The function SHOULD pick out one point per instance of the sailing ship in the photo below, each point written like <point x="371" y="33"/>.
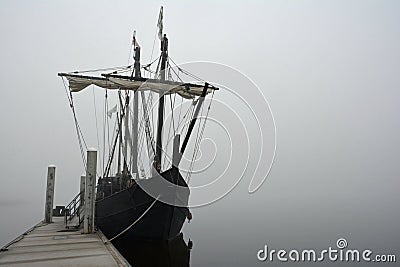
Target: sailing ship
<point x="133" y="202"/>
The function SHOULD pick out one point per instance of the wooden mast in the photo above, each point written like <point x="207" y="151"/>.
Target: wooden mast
<point x="120" y="151"/>
<point x="135" y="114"/>
<point x="164" y="57"/>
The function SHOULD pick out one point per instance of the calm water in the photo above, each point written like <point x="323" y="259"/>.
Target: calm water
<point x="172" y="253"/>
<point x="16" y="219"/>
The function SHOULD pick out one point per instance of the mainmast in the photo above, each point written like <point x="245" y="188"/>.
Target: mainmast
<point x="164" y="57"/>
<point x="135" y="112"/>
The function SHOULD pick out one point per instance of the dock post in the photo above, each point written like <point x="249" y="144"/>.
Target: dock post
<point x="90" y="186"/>
<point x="82" y="191"/>
<point x="48" y="210"/>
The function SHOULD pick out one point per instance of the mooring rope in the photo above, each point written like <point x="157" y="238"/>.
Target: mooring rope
<point x="137" y="220"/>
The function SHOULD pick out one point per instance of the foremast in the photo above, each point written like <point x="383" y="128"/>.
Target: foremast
<point x="164" y="57"/>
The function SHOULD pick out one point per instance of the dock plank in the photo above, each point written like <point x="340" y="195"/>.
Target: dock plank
<point x="45" y="246"/>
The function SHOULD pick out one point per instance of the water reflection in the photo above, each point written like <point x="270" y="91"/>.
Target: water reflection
<point x="139" y="253"/>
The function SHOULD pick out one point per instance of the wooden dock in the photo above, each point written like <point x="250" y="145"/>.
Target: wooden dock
<point x="50" y="244"/>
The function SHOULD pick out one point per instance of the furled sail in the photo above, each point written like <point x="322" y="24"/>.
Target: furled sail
<point x="186" y="90"/>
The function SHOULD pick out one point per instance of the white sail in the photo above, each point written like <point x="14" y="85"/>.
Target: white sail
<point x="186" y="90"/>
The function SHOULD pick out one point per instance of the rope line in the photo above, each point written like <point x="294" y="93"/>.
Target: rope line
<point x="198" y="140"/>
<point x="132" y="224"/>
<point x="77" y="128"/>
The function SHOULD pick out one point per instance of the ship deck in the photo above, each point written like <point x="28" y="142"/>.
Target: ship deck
<point x="53" y="245"/>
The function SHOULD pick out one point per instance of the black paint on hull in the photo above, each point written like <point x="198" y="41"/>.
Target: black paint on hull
<point x="161" y="222"/>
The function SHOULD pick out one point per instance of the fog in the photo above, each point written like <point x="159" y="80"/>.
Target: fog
<point x="328" y="69"/>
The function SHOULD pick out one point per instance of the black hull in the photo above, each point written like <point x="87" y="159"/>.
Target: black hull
<point x="162" y="221"/>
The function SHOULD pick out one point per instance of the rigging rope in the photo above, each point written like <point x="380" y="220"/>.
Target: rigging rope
<point x="195" y="150"/>
<point x="104" y="69"/>
<point x="177" y="74"/>
<point x="171" y="125"/>
<point x="198" y="139"/>
<point x="180" y="112"/>
<point x="147" y="121"/>
<point x="154" y="42"/>
<point x="140" y="136"/>
<point x="77" y="128"/>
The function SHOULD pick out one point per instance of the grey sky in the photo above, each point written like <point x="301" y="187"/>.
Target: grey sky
<point x="329" y="69"/>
